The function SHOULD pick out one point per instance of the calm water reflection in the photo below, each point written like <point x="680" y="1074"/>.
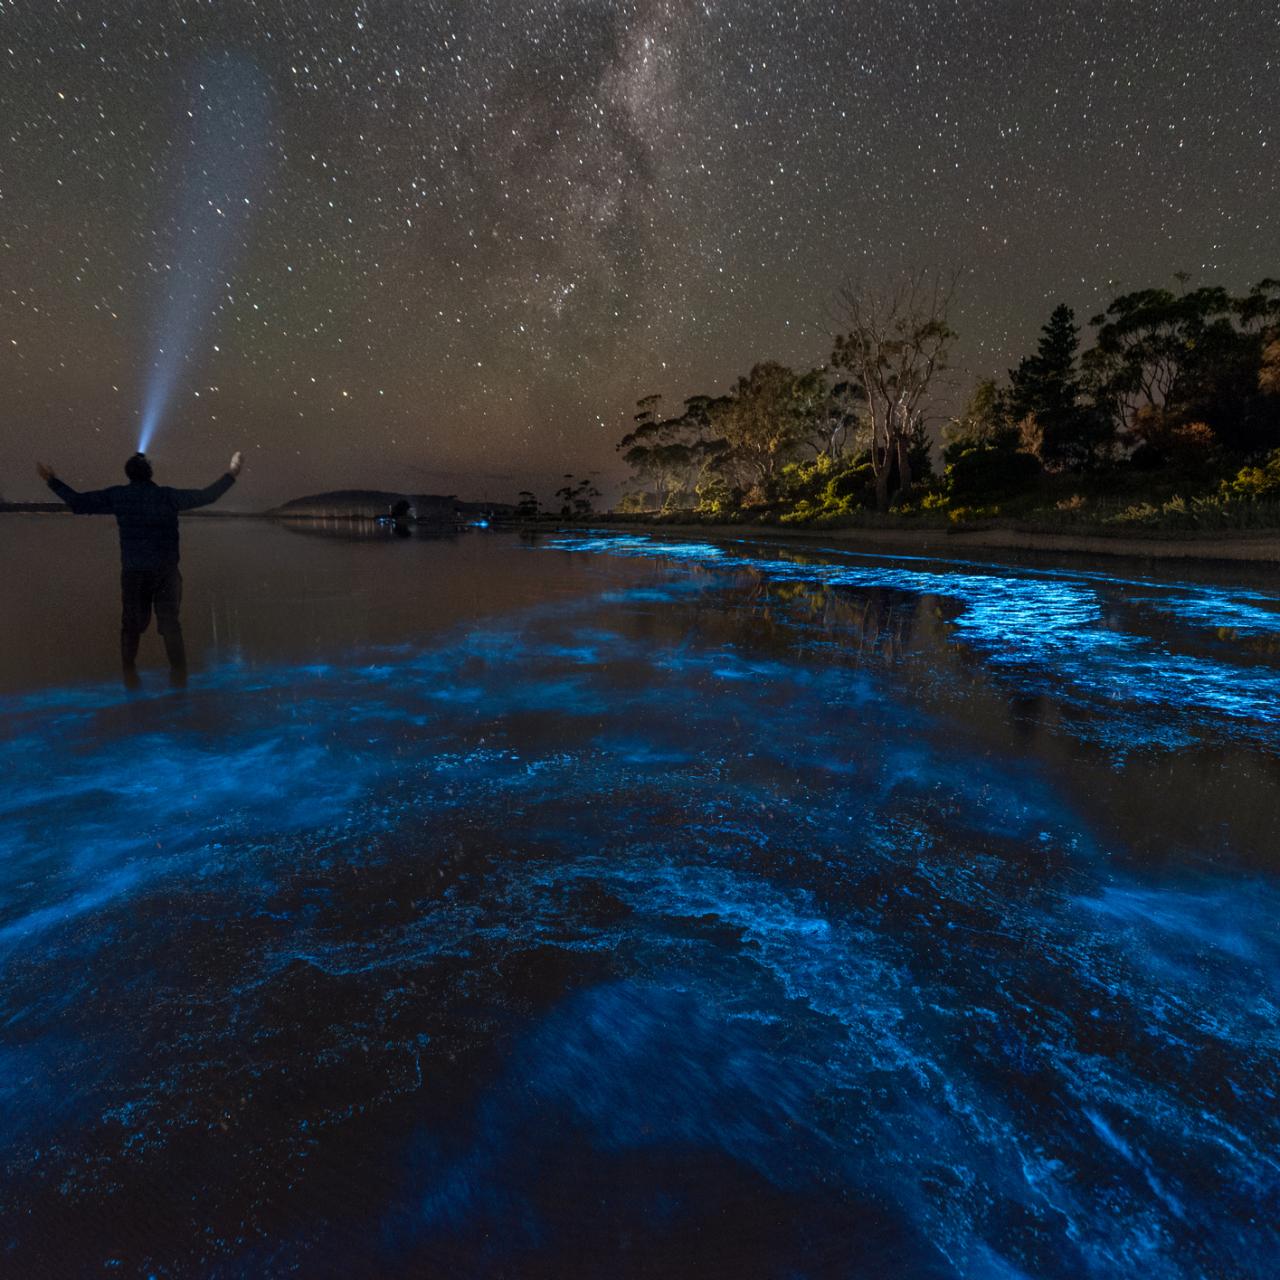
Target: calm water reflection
<point x="596" y="906"/>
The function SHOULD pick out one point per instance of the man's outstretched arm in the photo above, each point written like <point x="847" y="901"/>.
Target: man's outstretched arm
<point x="97" y="502"/>
<point x="188" y="499"/>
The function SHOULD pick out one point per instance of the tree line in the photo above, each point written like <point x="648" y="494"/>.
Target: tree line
<point x="1177" y="389"/>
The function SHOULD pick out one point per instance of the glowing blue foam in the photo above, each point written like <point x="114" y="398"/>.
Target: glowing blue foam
<point x="445" y="928"/>
<point x="1054" y="621"/>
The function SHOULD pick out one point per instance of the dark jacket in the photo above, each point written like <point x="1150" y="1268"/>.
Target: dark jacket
<point x="146" y="514"/>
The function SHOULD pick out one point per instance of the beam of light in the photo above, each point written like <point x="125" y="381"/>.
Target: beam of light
<point x="217" y="182"/>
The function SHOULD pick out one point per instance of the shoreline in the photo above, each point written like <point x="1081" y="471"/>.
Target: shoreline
<point x="1243" y="546"/>
<point x="1236" y="546"/>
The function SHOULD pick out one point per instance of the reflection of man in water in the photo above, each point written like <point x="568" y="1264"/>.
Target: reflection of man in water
<point x="147" y="516"/>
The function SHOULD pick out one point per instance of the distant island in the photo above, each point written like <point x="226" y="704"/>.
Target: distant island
<point x="375" y="504"/>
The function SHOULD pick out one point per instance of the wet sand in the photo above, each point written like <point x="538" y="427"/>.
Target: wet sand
<point x="1262" y="547"/>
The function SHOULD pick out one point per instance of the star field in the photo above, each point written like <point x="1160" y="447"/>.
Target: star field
<point x="477" y="232"/>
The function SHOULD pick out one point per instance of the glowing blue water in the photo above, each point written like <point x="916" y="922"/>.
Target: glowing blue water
<point x="758" y="915"/>
<point x="1063" y="624"/>
<point x="220" y="176"/>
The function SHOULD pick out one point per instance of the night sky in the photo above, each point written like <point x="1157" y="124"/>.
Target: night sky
<point x="477" y="232"/>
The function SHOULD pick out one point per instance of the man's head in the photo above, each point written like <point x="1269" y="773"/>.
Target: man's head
<point x="138" y="468"/>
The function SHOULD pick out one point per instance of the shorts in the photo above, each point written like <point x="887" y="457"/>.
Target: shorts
<point x="141" y="591"/>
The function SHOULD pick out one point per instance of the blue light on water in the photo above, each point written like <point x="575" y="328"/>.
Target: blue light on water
<point x="609" y="900"/>
<point x="1052" y="621"/>
<point x="217" y="178"/>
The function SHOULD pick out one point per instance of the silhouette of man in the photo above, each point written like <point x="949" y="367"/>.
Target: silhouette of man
<point x="147" y="516"/>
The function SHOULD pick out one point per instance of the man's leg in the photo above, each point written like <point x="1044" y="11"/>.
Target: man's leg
<point x="168" y="598"/>
<point x="135" y="615"/>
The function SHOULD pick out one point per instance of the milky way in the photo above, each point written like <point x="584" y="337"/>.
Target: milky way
<point x="487" y="228"/>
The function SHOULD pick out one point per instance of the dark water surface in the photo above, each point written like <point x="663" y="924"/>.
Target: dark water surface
<point x="598" y="906"/>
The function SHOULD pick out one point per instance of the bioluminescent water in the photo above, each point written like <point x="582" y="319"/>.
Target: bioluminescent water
<point x="608" y="906"/>
<point x="218" y="173"/>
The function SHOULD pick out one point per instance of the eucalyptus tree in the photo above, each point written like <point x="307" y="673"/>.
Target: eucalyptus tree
<point x="770" y="416"/>
<point x="1162" y="360"/>
<point x="1152" y="346"/>
<point x="671" y="454"/>
<point x="893" y="343"/>
<point x="837" y="421"/>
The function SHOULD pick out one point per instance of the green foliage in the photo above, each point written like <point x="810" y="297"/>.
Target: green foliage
<point x="637" y="502"/>
<point x="990" y="471"/>
<point x="1256" y="482"/>
<point x="669" y="455"/>
<point x="766" y="421"/>
<point x="828" y="487"/>
<point x="1206" y="511"/>
<point x="967" y="515"/>
<point x="718" y="498"/>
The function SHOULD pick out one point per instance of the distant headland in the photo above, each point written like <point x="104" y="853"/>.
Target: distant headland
<point x="376" y="504"/>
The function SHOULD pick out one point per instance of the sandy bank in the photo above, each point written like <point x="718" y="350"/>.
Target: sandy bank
<point x="1246" y="545"/>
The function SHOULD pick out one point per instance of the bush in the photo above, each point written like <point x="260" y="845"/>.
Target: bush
<point x="827" y="488"/>
<point x="855" y="483"/>
<point x="966" y="515"/>
<point x="986" y="471"/>
<point x="1256" y="482"/>
<point x="717" y="498"/>
<point x="1136" y="513"/>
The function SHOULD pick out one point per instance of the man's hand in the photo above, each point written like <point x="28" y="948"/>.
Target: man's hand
<point x="237" y="461"/>
<point x="46" y="471"/>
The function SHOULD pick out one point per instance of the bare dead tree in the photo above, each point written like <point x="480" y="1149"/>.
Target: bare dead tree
<point x="893" y="343"/>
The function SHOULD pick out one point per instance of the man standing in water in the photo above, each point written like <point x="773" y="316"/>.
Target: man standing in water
<point x="147" y="516"/>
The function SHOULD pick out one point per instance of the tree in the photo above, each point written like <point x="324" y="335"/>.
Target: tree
<point x="837" y="419"/>
<point x="986" y="455"/>
<point x="984" y="420"/>
<point x="1152" y="346"/>
<point x="1269" y="370"/>
<point x="576" y="498"/>
<point x="770" y="415"/>
<point x="894" y="344"/>
<point x="1259" y="311"/>
<point x="1198" y="356"/>
<point x="1045" y="392"/>
<point x="527" y="505"/>
<point x="671" y="454"/>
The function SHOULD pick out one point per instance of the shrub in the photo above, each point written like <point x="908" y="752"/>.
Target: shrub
<point x="855" y="483"/>
<point x="717" y="498"/>
<point x="1135" y="513"/>
<point x="990" y="472"/>
<point x="965" y="515"/>
<point x="1256" y="482"/>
